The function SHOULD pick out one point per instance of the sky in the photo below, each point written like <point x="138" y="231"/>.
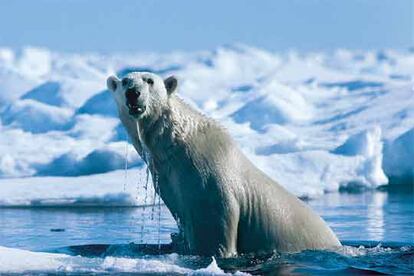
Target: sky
<point x="188" y="25"/>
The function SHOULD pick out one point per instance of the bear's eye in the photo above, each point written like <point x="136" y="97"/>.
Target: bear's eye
<point x="126" y="82"/>
<point x="149" y="81"/>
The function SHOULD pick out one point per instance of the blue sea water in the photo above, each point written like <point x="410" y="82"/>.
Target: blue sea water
<point x="377" y="229"/>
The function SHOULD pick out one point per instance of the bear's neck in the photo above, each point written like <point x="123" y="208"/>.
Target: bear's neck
<point x="156" y="136"/>
<point x="176" y="123"/>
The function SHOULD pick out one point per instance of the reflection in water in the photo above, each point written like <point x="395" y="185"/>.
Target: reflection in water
<point x="378" y="216"/>
<point x="375" y="216"/>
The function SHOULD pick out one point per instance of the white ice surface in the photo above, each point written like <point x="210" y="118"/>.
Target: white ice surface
<point x="93" y="190"/>
<point x="22" y="261"/>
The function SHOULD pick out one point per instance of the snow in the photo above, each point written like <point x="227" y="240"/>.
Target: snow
<point x="92" y="190"/>
<point x="102" y="103"/>
<point x="47" y="93"/>
<point x="278" y="104"/>
<point x="398" y="158"/>
<point x="36" y="117"/>
<point x="315" y="122"/>
<point x="22" y="261"/>
<point x="368" y="144"/>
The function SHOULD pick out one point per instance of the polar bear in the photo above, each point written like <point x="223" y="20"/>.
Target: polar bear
<point x="223" y="204"/>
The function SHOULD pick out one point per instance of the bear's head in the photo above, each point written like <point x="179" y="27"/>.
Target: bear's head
<point x="141" y="94"/>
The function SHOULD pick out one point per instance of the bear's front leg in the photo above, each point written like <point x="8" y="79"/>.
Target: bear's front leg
<point x="214" y="233"/>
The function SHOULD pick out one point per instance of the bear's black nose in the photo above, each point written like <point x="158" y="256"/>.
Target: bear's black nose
<point x="132" y="96"/>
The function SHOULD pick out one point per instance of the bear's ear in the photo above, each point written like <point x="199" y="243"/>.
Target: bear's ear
<point x="171" y="84"/>
<point x="112" y="83"/>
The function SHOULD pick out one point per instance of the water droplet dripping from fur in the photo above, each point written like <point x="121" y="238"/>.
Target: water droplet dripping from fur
<point x="126" y="162"/>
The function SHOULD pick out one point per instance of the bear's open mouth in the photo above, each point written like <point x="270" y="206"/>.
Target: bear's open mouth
<point x="132" y="96"/>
